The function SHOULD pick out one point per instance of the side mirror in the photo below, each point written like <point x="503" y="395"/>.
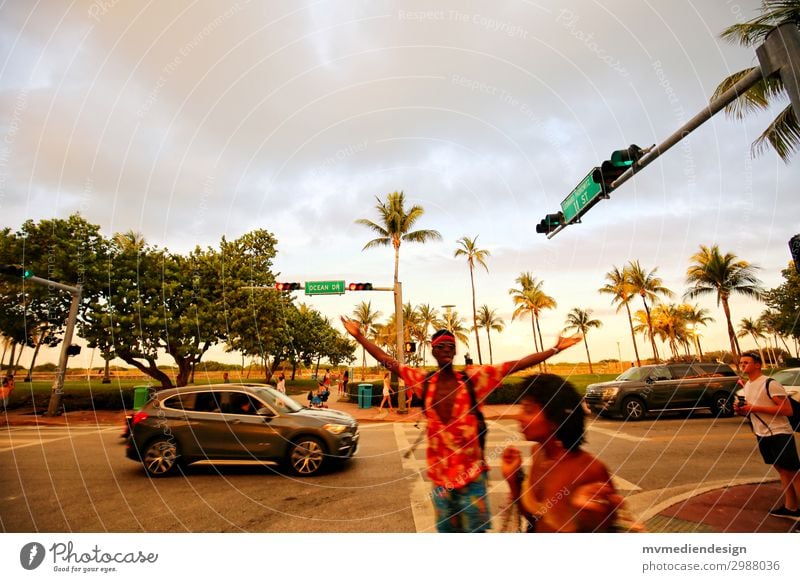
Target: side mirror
<point x="649" y="380"/>
<point x="265" y="412"/>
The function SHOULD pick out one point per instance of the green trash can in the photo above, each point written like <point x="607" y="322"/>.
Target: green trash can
<point x="141" y="394"/>
<point x="364" y="395"/>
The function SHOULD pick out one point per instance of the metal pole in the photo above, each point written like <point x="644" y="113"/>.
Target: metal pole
<point x="54" y="406"/>
<point x="398" y="318"/>
<point x="780" y="55"/>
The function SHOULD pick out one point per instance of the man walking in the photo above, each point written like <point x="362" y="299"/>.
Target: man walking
<point x="454" y="455"/>
<point x="767" y="406"/>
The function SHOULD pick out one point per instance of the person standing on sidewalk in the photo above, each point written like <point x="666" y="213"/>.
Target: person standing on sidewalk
<point x="387" y="392"/>
<point x="767" y="412"/>
<point x="454" y="455"/>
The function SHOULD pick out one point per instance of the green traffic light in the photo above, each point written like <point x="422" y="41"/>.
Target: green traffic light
<point x="625" y="158"/>
<point x="16" y="271"/>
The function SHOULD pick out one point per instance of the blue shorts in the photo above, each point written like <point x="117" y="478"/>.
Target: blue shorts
<point x="462" y="510"/>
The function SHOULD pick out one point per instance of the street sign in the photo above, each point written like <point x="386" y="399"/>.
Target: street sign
<point x="582" y="198"/>
<point x="324" y="287"/>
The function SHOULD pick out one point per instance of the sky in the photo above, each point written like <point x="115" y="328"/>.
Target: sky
<point x="190" y="121"/>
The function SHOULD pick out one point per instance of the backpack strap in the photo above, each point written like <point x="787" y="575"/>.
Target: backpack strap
<point x="756" y="415"/>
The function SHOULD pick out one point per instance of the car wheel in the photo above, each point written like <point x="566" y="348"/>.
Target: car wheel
<point x="722" y="405"/>
<point x="633" y="408"/>
<point x="306" y="456"/>
<point x="161" y="457"/>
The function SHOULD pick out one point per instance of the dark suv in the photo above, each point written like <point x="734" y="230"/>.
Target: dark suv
<point x="638" y="391"/>
<point x="240" y="422"/>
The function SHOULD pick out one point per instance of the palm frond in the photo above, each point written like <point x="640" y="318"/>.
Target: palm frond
<point x="756" y="98"/>
<point x="783" y="135"/>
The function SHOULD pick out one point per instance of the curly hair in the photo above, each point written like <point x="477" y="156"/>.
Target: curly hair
<point x="561" y="405"/>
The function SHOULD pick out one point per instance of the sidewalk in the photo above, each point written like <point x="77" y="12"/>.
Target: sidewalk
<point x="720" y="508"/>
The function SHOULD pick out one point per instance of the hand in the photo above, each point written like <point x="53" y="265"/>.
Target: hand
<point x="352" y="327"/>
<point x="596" y="498"/>
<point x="510" y="462"/>
<point x="742" y="409"/>
<point x="567" y="342"/>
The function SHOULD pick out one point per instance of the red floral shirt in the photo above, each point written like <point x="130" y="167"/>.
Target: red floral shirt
<point x="454" y="453"/>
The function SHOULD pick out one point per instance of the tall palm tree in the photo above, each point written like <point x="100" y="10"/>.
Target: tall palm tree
<point x="783" y="134"/>
<point x="367" y="318"/>
<point x="753" y="328"/>
<point x="530" y="298"/>
<point x="648" y="286"/>
<point x="669" y="323"/>
<point x="428" y="316"/>
<point x="713" y="272"/>
<point x="469" y="249"/>
<point x="488" y="319"/>
<point x="696" y="316"/>
<point x="581" y="320"/>
<point x="620" y="289"/>
<point x="395" y="226"/>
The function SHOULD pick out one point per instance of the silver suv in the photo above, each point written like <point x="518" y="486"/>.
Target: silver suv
<point x="661" y="387"/>
<point x="241" y="422"/>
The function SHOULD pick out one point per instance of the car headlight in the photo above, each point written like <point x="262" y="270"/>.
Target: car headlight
<point x="609" y="393"/>
<point x="335" y="428"/>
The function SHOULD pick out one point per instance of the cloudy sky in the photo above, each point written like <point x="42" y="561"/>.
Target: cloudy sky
<point x="187" y="121"/>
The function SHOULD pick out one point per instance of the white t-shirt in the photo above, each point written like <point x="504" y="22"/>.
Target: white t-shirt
<point x="755" y="393"/>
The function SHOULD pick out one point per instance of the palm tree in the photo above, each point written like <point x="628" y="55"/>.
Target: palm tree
<point x="581" y="320"/>
<point x="696" y="316"/>
<point x="488" y="319"/>
<point x="474" y="255"/>
<point x="669" y="323"/>
<point x="364" y="315"/>
<point x="783" y="134"/>
<point x="395" y="226"/>
<point x="454" y="323"/>
<point x="753" y="328"/>
<point x="712" y="272"/>
<point x="647" y="285"/>
<point x="620" y="289"/>
<point x="428" y="316"/>
<point x="531" y="299"/>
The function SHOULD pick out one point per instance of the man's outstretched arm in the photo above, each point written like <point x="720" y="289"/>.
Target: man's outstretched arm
<point x="531" y="360"/>
<point x="384" y="359"/>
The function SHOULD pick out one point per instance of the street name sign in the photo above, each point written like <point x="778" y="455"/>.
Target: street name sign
<point x="585" y="195"/>
<point x="324" y="287"/>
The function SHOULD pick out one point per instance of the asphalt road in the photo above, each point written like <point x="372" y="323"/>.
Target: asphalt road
<point x="78" y="479"/>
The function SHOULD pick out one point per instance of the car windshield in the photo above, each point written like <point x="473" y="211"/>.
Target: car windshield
<point x="787" y="377"/>
<point x="633" y="374"/>
<point x="278" y="400"/>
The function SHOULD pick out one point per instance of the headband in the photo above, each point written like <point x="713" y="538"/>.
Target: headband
<point x="445" y="338"/>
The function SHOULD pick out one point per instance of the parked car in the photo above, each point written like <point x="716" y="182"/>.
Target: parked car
<point x="789" y="379"/>
<point x="644" y="389"/>
<point x="244" y="422"/>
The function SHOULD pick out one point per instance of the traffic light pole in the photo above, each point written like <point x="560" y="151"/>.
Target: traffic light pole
<point x="778" y="55"/>
<point x="401" y="356"/>
<point x="54" y="405"/>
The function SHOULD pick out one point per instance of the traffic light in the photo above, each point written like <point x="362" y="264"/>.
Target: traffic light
<point x="359" y="287"/>
<point x="410" y="347"/>
<point x="794" y="248"/>
<point x="619" y="163"/>
<point x="550" y="223"/>
<point x="16" y="271"/>
<point x="287" y="286"/>
<point x="73" y="350"/>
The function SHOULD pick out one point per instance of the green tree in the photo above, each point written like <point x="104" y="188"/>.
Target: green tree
<point x="648" y="286"/>
<point x="581" y="320"/>
<point x="428" y="316"/>
<point x="469" y="249"/>
<point x="454" y="323"/>
<point x="783" y="134"/>
<point x="621" y="291"/>
<point x="711" y="272"/>
<point x="367" y="318"/>
<point x="784" y="303"/>
<point x="696" y="316"/>
<point x="489" y="320"/>
<point x="531" y="299"/>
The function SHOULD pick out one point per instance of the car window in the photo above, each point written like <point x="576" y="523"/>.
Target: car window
<point x="660" y="373"/>
<point x="241" y="403"/>
<point x="634" y="374"/>
<point x="277" y="400"/>
<point x="683" y="371"/>
<point x="716" y="369"/>
<point x="180" y="401"/>
<point x="208" y="401"/>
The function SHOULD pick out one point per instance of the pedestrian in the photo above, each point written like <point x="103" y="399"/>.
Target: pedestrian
<point x="767" y="406"/>
<point x="281" y="383"/>
<point x="225" y="378"/>
<point x="566" y="489"/>
<point x="345" y="381"/>
<point x="455" y="456"/>
<point x="387" y="391"/>
<point x="6" y="389"/>
<point x="326" y="379"/>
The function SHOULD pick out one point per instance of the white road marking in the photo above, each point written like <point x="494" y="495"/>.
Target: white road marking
<point x="38" y="436"/>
